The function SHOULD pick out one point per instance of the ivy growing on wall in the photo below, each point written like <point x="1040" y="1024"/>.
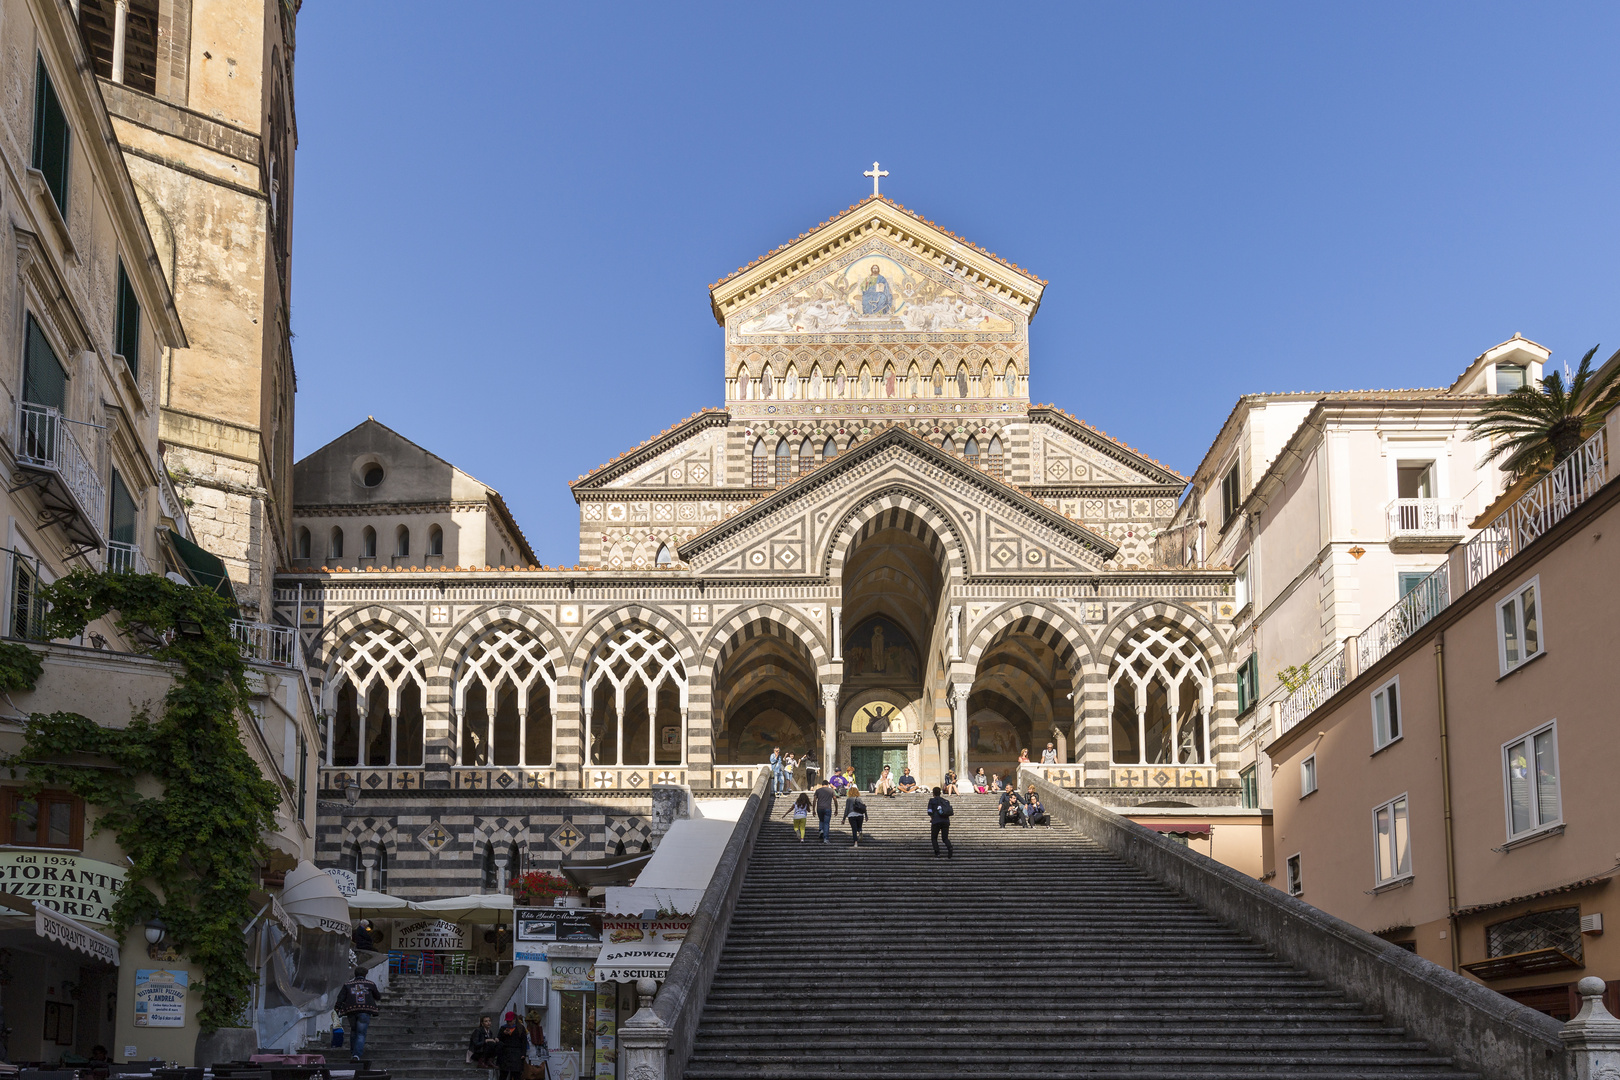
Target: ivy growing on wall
<point x="180" y="792"/>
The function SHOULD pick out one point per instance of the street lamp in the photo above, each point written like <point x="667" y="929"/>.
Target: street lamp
<point x="351" y="791"/>
<point x="155" y="930"/>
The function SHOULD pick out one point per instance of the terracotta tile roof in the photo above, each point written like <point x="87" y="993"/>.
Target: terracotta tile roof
<point x="855" y="207"/>
<point x="709" y="411"/>
<point x="1103" y="434"/>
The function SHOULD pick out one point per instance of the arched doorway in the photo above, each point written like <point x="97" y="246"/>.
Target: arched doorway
<point x="765" y="695"/>
<point x="1022" y="698"/>
<point x="893" y="623"/>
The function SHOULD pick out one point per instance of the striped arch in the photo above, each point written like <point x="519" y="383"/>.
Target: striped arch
<point x="368" y="652"/>
<point x="1043" y="623"/>
<point x="337" y="631"/>
<point x="617" y="618"/>
<point x="899" y="507"/>
<point x="1184" y="618"/>
<point x="479" y="623"/>
<point x="752" y="622"/>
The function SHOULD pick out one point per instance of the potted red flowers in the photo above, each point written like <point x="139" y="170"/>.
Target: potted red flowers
<point x="539" y="888"/>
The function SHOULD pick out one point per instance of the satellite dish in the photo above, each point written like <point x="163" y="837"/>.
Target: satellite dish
<point x="176" y="578"/>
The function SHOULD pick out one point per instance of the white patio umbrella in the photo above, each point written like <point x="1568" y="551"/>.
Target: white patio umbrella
<point x="368" y="904"/>
<point x="312" y="898"/>
<point x="476" y="908"/>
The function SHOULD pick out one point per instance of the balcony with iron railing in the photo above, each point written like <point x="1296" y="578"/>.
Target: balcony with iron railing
<point x="1417" y="524"/>
<point x="1552" y="499"/>
<point x="67" y="478"/>
<point x="124" y="558"/>
<point x="266" y="643"/>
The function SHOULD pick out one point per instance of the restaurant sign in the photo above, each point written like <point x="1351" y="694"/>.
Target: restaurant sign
<point x="80" y="888"/>
<point x="431" y="934"/>
<point x="52" y="926"/>
<point x="558" y="924"/>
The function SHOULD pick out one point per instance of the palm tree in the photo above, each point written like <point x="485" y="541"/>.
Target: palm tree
<point x="1539" y="428"/>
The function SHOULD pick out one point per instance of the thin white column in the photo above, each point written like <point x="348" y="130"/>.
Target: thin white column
<point x="956" y="631"/>
<point x="459" y="709"/>
<point x="683" y="757"/>
<point x="829" y="702"/>
<point x="393" y="736"/>
<point x="120" y="22"/>
<point x="523" y="729"/>
<point x="838" y="633"/>
<point x="959" y="702"/>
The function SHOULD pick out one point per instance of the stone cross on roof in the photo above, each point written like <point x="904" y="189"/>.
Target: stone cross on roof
<point x="874" y="172"/>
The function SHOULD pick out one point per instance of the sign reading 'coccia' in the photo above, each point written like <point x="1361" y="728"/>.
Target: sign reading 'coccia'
<point x="79" y="888"/>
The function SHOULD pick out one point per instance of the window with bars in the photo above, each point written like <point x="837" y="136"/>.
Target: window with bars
<point x="1558" y="929"/>
<point x="807" y="457"/>
<point x="127" y="332"/>
<point x="52" y="137"/>
<point x="970" y="452"/>
<point x="993" y="459"/>
<point x="762" y="466"/>
<point x="784" y="463"/>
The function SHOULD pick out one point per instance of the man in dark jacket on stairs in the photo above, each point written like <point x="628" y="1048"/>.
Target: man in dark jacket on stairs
<point x="826" y="801"/>
<point x="939" y="824"/>
<point x="357" y="1004"/>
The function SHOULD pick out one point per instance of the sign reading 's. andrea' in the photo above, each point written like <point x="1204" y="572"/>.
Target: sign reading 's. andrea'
<point x="79" y="888"/>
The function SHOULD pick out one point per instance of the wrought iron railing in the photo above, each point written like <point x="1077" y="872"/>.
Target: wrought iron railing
<point x="1427" y="599"/>
<point x="122" y="557"/>
<point x="1322" y="684"/>
<point x="1552" y="499"/>
<point x="266" y="643"/>
<point x="45" y="441"/>
<point x="1425" y="517"/>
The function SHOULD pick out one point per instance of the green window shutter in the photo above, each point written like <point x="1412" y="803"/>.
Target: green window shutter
<point x="51" y="136"/>
<point x="44" y="378"/>
<point x="128" y="330"/>
<point x="121" y="512"/>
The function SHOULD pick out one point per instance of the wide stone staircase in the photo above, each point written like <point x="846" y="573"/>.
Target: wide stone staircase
<point x="421" y="1031"/>
<point x="1032" y="953"/>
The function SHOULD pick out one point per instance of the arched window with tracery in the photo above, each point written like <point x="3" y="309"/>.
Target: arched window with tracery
<point x="376" y="687"/>
<point x="505" y="699"/>
<point x="807" y="457"/>
<point x="1160" y="696"/>
<point x="762" y="465"/>
<point x="664" y="557"/>
<point x="993" y="459"/>
<point x="970" y="452"/>
<point x="635" y="689"/>
<point x="829" y="450"/>
<point x="784" y="463"/>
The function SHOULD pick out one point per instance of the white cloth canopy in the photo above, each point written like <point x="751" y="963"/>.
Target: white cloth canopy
<point x="477" y="907"/>
<point x="312" y="898"/>
<point x="367" y="903"/>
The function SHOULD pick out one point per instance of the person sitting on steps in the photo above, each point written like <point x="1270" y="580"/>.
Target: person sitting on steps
<point x="950" y="783"/>
<point x="981" y="783"/>
<point x="908" y="783"/>
<point x="1011" y="806"/>
<point x="1034" y="812"/>
<point x="885" y="784"/>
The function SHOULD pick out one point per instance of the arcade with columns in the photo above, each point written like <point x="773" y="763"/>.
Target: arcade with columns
<point x="879" y="551"/>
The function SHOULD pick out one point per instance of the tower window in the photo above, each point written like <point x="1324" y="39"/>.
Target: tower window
<point x="368" y="543"/>
<point x="783" y="462"/>
<point x="435" y="540"/>
<point x="303" y="544"/>
<point x="761" y="475"/>
<point x="402" y="542"/>
<point x="807" y="457"/>
<point x="829" y="450"/>
<point x="336" y="551"/>
<point x="970" y="452"/>
<point x="994" y="459"/>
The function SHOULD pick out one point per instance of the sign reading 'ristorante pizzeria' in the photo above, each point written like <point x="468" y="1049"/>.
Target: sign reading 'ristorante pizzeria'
<point x="80" y="888"/>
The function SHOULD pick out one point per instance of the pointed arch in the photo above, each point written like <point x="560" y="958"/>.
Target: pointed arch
<point x="903" y="508"/>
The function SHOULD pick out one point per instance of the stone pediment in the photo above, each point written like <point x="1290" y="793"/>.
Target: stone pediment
<point x="926" y="282"/>
<point x="690" y="454"/>
<point x="1065" y="452"/>
<point x="997" y="529"/>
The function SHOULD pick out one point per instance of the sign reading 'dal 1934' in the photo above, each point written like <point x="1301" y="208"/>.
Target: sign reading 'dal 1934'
<point x="431" y="934"/>
<point x="79" y="888"/>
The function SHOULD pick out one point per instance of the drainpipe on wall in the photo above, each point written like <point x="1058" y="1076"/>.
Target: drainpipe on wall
<point x="1445" y="796"/>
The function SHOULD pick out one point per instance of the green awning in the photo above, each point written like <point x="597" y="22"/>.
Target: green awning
<point x="203" y="567"/>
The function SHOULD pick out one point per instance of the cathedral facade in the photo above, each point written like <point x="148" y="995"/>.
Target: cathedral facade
<point x="878" y="551"/>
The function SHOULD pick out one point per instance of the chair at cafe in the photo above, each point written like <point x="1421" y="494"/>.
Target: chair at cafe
<point x="396" y="962"/>
<point x="432" y="963"/>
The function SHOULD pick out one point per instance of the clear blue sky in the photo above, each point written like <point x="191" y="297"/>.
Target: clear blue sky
<point x="507" y="215"/>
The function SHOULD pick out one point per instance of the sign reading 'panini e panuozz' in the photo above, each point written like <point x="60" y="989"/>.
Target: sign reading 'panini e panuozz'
<point x="79" y="888"/>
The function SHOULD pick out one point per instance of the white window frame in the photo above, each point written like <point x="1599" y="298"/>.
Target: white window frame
<point x="1515" y="600"/>
<point x="1307" y="776"/>
<point x="1557" y="820"/>
<point x="1406" y="809"/>
<point x="1294" y="875"/>
<point x="1398" y="730"/>
<point x="1241" y="585"/>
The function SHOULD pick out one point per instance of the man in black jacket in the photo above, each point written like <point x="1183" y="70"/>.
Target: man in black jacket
<point x="1011" y="806"/>
<point x="939" y="824"/>
<point x="358" y="999"/>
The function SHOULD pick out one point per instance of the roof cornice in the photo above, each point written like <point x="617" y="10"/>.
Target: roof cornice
<point x="876" y="215"/>
<point x="638" y="455"/>
<point x="1107" y="444"/>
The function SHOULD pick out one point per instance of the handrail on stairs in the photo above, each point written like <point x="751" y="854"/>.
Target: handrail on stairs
<point x="657" y="1041"/>
<point x="500" y="1002"/>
